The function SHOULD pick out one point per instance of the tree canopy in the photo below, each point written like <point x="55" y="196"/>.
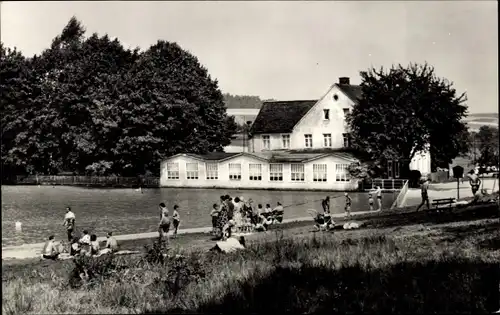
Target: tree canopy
<point x="88" y="105"/>
<point x="404" y="110"/>
<point x="487" y="145"/>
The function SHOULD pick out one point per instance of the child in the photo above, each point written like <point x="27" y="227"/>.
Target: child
<point x="370" y="201"/>
<point x="164" y="225"/>
<point x="215" y="215"/>
<point x="176" y="219"/>
<point x="348" y="205"/>
<point x="94" y="245"/>
<point x="268" y="208"/>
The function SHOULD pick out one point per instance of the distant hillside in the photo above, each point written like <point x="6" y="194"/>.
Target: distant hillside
<point x="243" y="101"/>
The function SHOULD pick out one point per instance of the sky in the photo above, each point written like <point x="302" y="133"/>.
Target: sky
<point x="288" y="50"/>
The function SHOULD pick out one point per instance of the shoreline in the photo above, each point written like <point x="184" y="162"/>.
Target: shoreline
<point x="33" y="250"/>
<point x="118" y="186"/>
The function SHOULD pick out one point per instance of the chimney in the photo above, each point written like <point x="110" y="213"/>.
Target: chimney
<point x="344" y="80"/>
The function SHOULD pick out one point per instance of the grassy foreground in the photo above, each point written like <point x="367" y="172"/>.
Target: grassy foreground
<point x="410" y="263"/>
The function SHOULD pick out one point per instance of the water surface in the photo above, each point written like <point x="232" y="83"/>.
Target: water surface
<point x="41" y="209"/>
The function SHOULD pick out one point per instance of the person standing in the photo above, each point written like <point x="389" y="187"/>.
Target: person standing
<point x="325" y="203"/>
<point x="348" y="202"/>
<point x="370" y="201"/>
<point x="176" y="219"/>
<point x="474" y="182"/>
<point x="164" y="225"/>
<point x="69" y="223"/>
<point x="424" y="187"/>
<point x="378" y="193"/>
<point x="215" y="215"/>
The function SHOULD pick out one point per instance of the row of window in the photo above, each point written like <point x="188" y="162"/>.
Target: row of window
<point x="308" y="141"/>
<point x="297" y="173"/>
<point x="326" y="113"/>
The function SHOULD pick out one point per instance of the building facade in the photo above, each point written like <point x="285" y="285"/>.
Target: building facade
<point x="317" y="124"/>
<point x="285" y="170"/>
<point x="292" y="145"/>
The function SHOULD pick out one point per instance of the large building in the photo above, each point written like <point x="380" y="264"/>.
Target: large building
<point x="292" y="145"/>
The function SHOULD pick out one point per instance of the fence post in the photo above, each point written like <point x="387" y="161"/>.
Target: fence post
<point x="392" y="184"/>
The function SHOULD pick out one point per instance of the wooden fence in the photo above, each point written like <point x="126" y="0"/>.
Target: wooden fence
<point x="99" y="181"/>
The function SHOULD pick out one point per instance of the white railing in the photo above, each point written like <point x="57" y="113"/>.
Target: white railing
<point x="385" y="184"/>
<point x="401" y="196"/>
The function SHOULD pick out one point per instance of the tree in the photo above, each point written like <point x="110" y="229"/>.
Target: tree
<point x="487" y="139"/>
<point x="405" y="109"/>
<point x="16" y="90"/>
<point x="170" y="105"/>
<point x="98" y="108"/>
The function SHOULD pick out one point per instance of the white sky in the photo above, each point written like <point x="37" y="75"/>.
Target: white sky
<point x="288" y="50"/>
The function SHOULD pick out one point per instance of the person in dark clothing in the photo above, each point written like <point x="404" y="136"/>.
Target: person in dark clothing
<point x="325" y="203"/>
<point x="425" y="195"/>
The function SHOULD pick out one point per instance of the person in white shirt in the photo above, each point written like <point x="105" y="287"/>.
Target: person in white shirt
<point x="378" y="192"/>
<point x="85" y="242"/>
<point x="50" y="250"/>
<point x="69" y="223"/>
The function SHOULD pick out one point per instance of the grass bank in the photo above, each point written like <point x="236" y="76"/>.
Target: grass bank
<point x="415" y="262"/>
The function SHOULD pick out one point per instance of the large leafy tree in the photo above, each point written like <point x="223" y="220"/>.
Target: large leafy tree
<point x="172" y="105"/>
<point x="403" y="110"/>
<point x="487" y="141"/>
<point x="16" y="92"/>
<point x="96" y="107"/>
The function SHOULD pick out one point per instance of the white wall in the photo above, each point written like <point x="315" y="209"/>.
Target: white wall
<point x="224" y="182"/>
<point x="421" y="162"/>
<point x="313" y="122"/>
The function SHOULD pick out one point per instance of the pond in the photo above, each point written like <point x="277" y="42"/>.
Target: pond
<point x="41" y="209"/>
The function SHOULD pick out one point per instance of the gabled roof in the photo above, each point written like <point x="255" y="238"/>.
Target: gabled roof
<point x="280" y="117"/>
<point x="354" y="92"/>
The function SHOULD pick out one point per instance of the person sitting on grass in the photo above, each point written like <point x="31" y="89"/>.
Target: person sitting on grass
<point x="278" y="212"/>
<point x="50" y="250"/>
<point x="268" y="209"/>
<point x="75" y="247"/>
<point x="111" y="242"/>
<point x="94" y="245"/>
<point x="85" y="242"/>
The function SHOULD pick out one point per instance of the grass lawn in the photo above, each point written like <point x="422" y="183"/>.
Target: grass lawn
<point x="404" y="263"/>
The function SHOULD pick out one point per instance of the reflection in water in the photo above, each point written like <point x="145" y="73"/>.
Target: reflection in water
<point x="41" y="209"/>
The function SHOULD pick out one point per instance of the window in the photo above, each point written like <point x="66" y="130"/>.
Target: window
<point x="326" y="113"/>
<point x="297" y="172"/>
<point x="396" y="169"/>
<point x="192" y="170"/>
<point x="319" y="172"/>
<point x="389" y="169"/>
<point x="212" y="170"/>
<point x="172" y="170"/>
<point x="346" y="111"/>
<point x="266" y="142"/>
<point x="285" y="139"/>
<point x="309" y="141"/>
<point x="342" y="173"/>
<point x="255" y="171"/>
<point x="276" y="172"/>
<point x="346" y="139"/>
<point x="235" y="171"/>
<point x="327" y="140"/>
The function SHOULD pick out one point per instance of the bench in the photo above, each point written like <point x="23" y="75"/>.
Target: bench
<point x="442" y="202"/>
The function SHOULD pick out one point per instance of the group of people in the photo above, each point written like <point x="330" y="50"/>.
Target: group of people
<point x="166" y="221"/>
<point x="87" y="244"/>
<point x="238" y="215"/>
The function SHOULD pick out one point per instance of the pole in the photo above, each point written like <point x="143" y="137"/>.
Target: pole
<point x="458" y="188"/>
